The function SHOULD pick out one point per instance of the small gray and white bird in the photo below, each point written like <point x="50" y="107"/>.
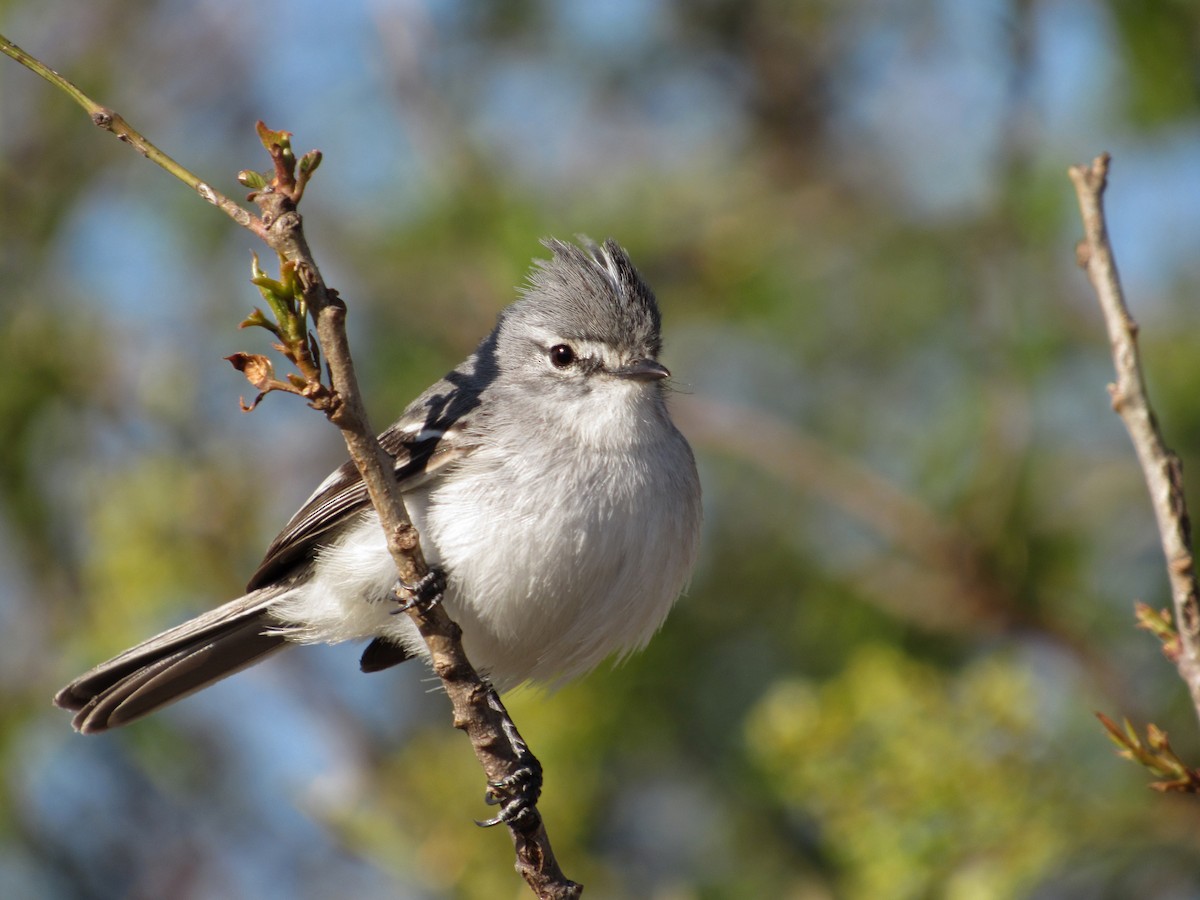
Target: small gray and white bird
<point x="548" y="484"/>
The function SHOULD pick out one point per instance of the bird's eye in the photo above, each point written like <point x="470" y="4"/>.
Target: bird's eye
<point x="561" y="355"/>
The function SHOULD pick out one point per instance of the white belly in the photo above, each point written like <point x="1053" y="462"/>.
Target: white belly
<point x="545" y="586"/>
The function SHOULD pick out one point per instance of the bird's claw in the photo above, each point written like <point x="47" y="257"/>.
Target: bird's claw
<point x="424" y="595"/>
<point x="516" y="794"/>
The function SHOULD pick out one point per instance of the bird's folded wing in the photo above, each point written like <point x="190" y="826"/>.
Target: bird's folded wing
<point x="417" y="457"/>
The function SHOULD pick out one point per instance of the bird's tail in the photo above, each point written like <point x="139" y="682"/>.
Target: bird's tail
<point x="177" y="662"/>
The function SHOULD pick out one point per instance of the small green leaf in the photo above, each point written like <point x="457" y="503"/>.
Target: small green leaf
<point x="256" y="271"/>
<point x="1157" y="738"/>
<point x="1156" y="754"/>
<point x="269" y="138"/>
<point x="309" y="162"/>
<point x="254" y="180"/>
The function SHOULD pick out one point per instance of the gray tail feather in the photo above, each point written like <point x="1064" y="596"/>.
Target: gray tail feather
<point x="175" y="663"/>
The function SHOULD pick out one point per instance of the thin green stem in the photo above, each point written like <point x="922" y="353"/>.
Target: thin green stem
<point x="111" y="121"/>
<point x="36" y="65"/>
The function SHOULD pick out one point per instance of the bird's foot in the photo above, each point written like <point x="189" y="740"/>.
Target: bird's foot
<point x="516" y="793"/>
<point x="424" y="595"/>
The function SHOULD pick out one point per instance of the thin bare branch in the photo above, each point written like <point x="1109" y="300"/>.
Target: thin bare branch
<point x="1130" y="400"/>
<point x="103" y="117"/>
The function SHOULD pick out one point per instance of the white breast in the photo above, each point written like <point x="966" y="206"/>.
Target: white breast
<point x="552" y="566"/>
<point x="571" y="569"/>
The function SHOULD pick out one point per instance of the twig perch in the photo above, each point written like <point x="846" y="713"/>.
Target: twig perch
<point x="477" y="709"/>
<point x="1161" y="467"/>
<point x="103" y="117"/>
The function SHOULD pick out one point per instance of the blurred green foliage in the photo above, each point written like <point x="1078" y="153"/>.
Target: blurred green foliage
<point x="925" y="528"/>
<point x="989" y="806"/>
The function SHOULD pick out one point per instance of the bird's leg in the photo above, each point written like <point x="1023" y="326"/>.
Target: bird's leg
<point x="425" y="594"/>
<point x="516" y="794"/>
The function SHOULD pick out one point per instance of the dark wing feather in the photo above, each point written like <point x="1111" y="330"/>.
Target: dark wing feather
<point x="432" y="433"/>
<point x="343" y="496"/>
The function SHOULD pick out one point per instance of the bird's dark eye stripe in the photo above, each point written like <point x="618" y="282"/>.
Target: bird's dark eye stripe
<point x="561" y="355"/>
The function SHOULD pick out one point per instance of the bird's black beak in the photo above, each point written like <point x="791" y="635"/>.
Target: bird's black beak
<point x="643" y="370"/>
